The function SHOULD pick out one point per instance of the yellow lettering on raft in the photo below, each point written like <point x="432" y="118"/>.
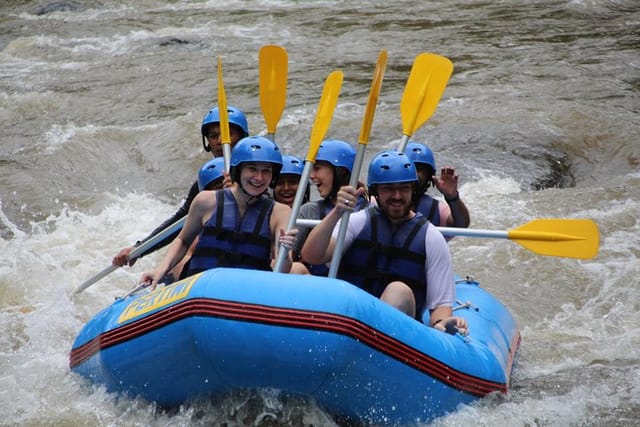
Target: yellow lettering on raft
<point x="158" y="298"/>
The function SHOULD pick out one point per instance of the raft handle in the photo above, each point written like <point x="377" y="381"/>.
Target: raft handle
<point x="467" y="304"/>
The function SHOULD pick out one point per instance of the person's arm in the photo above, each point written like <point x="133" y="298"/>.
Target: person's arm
<point x="318" y="249"/>
<point x="182" y="266"/>
<point x="122" y="257"/>
<point x="439" y="272"/>
<point x="202" y="205"/>
<point x="447" y="184"/>
<point x="459" y="213"/>
<point x="441" y="292"/>
<point x="180" y="213"/>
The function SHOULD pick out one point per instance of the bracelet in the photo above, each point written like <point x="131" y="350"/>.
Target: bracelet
<point x="453" y="199"/>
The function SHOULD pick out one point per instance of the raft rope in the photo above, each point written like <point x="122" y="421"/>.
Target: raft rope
<point x="467" y="304"/>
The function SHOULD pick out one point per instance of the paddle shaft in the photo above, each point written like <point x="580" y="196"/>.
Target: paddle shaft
<point x="344" y="220"/>
<point x="176" y="226"/>
<point x="363" y="139"/>
<point x="471" y="232"/>
<point x="328" y="102"/>
<point x="578" y="238"/>
<point x="226" y="153"/>
<point x="403" y="142"/>
<point x="295" y="208"/>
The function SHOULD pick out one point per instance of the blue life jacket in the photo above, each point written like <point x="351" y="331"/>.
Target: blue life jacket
<point x="230" y="241"/>
<point x="324" y="207"/>
<point x="428" y="206"/>
<point x="381" y="254"/>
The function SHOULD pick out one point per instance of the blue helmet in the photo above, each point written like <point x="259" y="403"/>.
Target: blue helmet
<point x="391" y="167"/>
<point x="255" y="149"/>
<point x="341" y="155"/>
<point x="291" y="165"/>
<point x="210" y="171"/>
<point x="236" y="117"/>
<point x="337" y="153"/>
<point x="420" y="154"/>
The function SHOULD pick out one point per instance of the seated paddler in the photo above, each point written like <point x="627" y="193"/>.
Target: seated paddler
<point x="240" y="226"/>
<point x="331" y="170"/>
<point x="389" y="250"/>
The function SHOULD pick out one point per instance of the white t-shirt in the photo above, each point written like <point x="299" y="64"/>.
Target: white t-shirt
<point x="438" y="266"/>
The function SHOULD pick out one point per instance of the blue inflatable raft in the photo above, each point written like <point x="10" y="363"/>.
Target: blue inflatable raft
<point x="230" y="329"/>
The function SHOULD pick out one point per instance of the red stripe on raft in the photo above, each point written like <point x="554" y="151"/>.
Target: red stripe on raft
<point x="298" y="319"/>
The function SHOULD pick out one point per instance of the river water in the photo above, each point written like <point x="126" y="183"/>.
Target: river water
<point x="101" y="103"/>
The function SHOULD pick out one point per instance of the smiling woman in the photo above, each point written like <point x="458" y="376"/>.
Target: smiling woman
<point x="255" y="178"/>
<point x="255" y="150"/>
<point x="237" y="226"/>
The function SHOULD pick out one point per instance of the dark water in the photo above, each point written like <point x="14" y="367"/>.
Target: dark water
<point x="100" y="110"/>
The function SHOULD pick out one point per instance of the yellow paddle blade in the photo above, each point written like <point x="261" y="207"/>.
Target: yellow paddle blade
<point x="225" y="136"/>
<point x="327" y="104"/>
<point x="570" y="238"/>
<point x="427" y="80"/>
<point x="273" y="84"/>
<point x="222" y="106"/>
<point x="370" y="110"/>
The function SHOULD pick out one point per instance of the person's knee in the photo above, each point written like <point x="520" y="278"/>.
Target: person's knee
<point x="400" y="296"/>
